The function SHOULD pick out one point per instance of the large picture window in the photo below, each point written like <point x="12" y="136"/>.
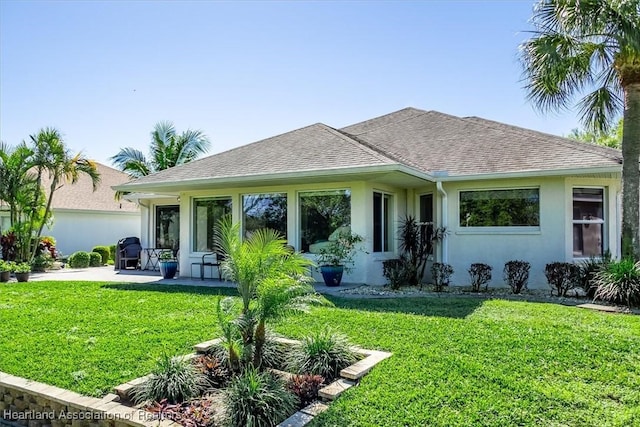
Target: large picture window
<point x="382" y="222"/>
<point x="323" y="214"/>
<point x="206" y="214"/>
<point x="264" y="211"/>
<point x="168" y="227"/>
<point x="500" y="208"/>
<point x="588" y="222"/>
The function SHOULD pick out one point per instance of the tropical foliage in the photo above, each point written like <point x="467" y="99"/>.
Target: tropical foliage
<point x="272" y="282"/>
<point x="591" y="50"/>
<point x="167" y="149"/>
<point x="23" y="169"/>
<point x="611" y="138"/>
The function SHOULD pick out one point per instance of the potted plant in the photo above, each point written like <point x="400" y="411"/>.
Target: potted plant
<point x="6" y="267"/>
<point x="22" y="270"/>
<point x="168" y="264"/>
<point x="336" y="257"/>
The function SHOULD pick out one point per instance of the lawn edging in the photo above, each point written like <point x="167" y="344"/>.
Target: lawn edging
<point x="26" y="402"/>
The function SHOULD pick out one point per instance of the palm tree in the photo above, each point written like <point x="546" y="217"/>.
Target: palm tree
<point x="15" y="177"/>
<point x="51" y="156"/>
<point x="272" y="281"/>
<point x="22" y="169"/>
<point x="167" y="150"/>
<point x="591" y="49"/>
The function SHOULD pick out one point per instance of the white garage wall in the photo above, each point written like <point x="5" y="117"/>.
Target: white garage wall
<point x="82" y="230"/>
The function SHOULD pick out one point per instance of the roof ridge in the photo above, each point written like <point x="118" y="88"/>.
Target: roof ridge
<point x="608" y="152"/>
<point x="419" y="111"/>
<point x="359" y="143"/>
<point x="389" y="156"/>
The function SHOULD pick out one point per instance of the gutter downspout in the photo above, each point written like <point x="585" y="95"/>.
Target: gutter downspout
<point x="444" y="222"/>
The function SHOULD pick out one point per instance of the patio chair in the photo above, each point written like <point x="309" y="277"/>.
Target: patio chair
<point x="211" y="259"/>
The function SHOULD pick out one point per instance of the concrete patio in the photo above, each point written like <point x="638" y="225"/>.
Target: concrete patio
<point x="108" y="274"/>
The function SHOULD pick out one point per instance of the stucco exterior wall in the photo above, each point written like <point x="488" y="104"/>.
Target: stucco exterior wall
<point x="551" y="241"/>
<point x="82" y="230"/>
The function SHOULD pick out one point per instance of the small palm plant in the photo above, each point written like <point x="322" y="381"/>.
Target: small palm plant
<point x="272" y="282"/>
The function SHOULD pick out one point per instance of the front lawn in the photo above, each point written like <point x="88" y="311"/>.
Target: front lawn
<point x="457" y="361"/>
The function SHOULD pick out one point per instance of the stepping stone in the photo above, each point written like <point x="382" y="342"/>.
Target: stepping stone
<point x="605" y="308"/>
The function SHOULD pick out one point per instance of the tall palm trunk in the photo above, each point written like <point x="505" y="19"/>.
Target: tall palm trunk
<point x="28" y="252"/>
<point x="260" y="338"/>
<point x="47" y="212"/>
<point x="631" y="170"/>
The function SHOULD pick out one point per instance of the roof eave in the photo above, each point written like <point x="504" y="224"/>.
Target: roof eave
<point x="531" y="173"/>
<point x="263" y="179"/>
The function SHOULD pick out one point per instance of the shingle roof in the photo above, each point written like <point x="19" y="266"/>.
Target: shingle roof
<point x="80" y="196"/>
<point x="431" y="141"/>
<point x="315" y="147"/>
<point x="427" y="141"/>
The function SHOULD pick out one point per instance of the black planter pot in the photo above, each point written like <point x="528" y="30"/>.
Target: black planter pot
<point x="22" y="277"/>
<point x="168" y="269"/>
<point x="5" y="276"/>
<point x="332" y="274"/>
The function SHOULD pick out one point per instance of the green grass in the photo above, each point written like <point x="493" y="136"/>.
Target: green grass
<point x="456" y="361"/>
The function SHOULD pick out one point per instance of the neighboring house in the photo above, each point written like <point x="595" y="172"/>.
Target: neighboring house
<point x="501" y="191"/>
<point x="83" y="218"/>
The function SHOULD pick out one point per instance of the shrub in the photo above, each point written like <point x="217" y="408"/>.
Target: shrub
<point x="47" y="244"/>
<point x="258" y="399"/>
<point x="397" y="272"/>
<point x="95" y="259"/>
<point x="562" y="276"/>
<point x="441" y="274"/>
<point x="112" y="252"/>
<point x="104" y="252"/>
<point x="80" y="259"/>
<point x="305" y="387"/>
<point x="619" y="283"/>
<point x="588" y="270"/>
<point x="480" y="275"/>
<point x="42" y="262"/>
<point x="175" y="379"/>
<point x="213" y="369"/>
<point x="325" y="353"/>
<point x="516" y="274"/>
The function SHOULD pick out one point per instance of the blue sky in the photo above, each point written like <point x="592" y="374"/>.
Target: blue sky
<point x="105" y="72"/>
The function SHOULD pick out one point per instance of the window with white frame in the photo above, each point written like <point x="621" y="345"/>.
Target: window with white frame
<point x="382" y="222"/>
<point x="588" y="222"/>
<point x="268" y="210"/>
<point x="323" y="215"/>
<point x="517" y="207"/>
<point x="206" y="214"/>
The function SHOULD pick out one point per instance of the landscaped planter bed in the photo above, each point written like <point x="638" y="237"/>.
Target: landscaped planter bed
<point x="210" y="407"/>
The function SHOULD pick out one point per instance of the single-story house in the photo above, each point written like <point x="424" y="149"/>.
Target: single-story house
<point x="502" y="192"/>
<point x="83" y="218"/>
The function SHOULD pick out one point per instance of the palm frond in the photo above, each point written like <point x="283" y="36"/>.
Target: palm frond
<point x="131" y="161"/>
<point x="599" y="108"/>
<point x="189" y="145"/>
